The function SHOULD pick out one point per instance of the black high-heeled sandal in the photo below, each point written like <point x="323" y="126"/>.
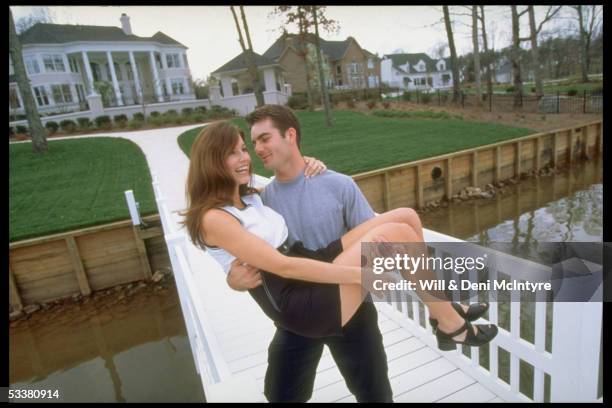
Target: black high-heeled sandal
<point x="474" y="312"/>
<point x="485" y="333"/>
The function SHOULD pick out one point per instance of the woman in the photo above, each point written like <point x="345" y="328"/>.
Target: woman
<point x="307" y="296"/>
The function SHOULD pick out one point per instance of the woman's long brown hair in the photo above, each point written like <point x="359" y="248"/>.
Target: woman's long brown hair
<point x="209" y="182"/>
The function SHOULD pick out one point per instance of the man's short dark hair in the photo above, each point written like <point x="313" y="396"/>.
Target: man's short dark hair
<point x="282" y="118"/>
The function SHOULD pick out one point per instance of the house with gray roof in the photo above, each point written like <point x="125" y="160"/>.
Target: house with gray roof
<point x="348" y="66"/>
<point x="81" y="68"/>
<point x="416" y="71"/>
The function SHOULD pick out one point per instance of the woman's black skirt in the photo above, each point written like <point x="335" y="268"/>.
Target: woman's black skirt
<point x="305" y="308"/>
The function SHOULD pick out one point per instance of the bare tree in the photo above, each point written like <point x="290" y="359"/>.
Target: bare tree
<point x="587" y="31"/>
<point x="37" y="15"/>
<point x="537" y="72"/>
<point x="37" y="132"/>
<point x="453" y="52"/>
<point x="515" y="58"/>
<point x="486" y="56"/>
<point x="324" y="94"/>
<point x="476" y="55"/>
<point x="249" y="55"/>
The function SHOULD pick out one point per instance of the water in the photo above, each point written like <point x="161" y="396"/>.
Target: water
<point x="108" y="350"/>
<point x="566" y="207"/>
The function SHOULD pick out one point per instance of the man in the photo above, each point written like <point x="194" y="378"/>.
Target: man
<point x="317" y="211"/>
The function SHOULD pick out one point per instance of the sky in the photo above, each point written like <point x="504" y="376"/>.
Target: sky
<point x="210" y="33"/>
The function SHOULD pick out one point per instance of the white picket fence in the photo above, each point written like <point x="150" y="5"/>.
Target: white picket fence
<point x="573" y="365"/>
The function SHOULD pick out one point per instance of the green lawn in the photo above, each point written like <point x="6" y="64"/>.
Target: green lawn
<point x="358" y="142"/>
<point x="79" y="183"/>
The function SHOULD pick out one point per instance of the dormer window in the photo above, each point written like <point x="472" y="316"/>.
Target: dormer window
<point x="441" y="66"/>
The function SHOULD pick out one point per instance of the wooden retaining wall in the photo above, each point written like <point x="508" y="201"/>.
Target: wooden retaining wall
<point x="79" y="262"/>
<point x="417" y="183"/>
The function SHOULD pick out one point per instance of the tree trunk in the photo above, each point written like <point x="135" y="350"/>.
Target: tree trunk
<point x="487" y="58"/>
<point x="257" y="88"/>
<point x="537" y="73"/>
<point x="324" y="94"/>
<point x="37" y="132"/>
<point x="453" y="52"/>
<point x="583" y="47"/>
<point x="476" y="55"/>
<point x="304" y="55"/>
<point x="516" y="66"/>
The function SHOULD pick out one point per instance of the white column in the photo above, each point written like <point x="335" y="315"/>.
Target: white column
<point x="136" y="77"/>
<point x="66" y="63"/>
<point x="165" y="66"/>
<point x="226" y="84"/>
<point x="90" y="80"/>
<point x="269" y="79"/>
<point x="156" y="82"/>
<point x="114" y="77"/>
<point x="186" y="86"/>
<point x="73" y="92"/>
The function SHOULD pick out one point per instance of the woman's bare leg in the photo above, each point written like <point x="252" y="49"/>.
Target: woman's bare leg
<point x="399" y="215"/>
<point x="351" y="296"/>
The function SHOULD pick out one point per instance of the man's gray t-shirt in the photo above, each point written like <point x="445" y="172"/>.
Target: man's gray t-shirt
<point x="320" y="209"/>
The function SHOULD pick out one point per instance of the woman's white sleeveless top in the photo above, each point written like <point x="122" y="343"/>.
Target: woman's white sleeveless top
<point x="258" y="219"/>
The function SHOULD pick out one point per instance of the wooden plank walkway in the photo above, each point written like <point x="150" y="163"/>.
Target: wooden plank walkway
<point x="417" y="371"/>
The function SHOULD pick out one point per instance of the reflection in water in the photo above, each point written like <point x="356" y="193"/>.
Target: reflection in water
<point x="563" y="208"/>
<point x="112" y="349"/>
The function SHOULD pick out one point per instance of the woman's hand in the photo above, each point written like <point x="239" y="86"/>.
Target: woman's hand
<point x="313" y="167"/>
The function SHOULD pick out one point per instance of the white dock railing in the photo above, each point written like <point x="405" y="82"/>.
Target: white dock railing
<point x="572" y="365"/>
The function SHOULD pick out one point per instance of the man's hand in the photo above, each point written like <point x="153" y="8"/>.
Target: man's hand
<point x="242" y="276"/>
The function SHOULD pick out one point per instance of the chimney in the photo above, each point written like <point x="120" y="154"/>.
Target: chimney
<point x="125" y="24"/>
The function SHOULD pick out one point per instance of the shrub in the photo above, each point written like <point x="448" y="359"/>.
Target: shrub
<point x="22" y="129"/>
<point x="406" y="96"/>
<point x="386" y="105"/>
<point x="171" y="112"/>
<point x="11" y="131"/>
<point x="201" y="109"/>
<point x="135" y="124"/>
<point x="298" y="102"/>
<point x="533" y="89"/>
<point x="138" y="116"/>
<point x="68" y="126"/>
<point x="157" y="121"/>
<point x="52" y="127"/>
<point x="187" y="111"/>
<point x="572" y="92"/>
<point x="510" y="89"/>
<point x="425" y="98"/>
<point x="120" y="120"/>
<point x="198" y="118"/>
<point x="103" y="122"/>
<point x="371" y="104"/>
<point x="217" y="112"/>
<point x="444" y="97"/>
<point x="84" y="123"/>
<point x="154" y="114"/>
<point x="179" y="120"/>
<point x="350" y="103"/>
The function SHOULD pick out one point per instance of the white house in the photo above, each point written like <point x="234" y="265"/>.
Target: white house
<point x="78" y="68"/>
<point x="416" y="71"/>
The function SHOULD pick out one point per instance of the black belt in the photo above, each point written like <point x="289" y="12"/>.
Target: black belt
<point x="284" y="247"/>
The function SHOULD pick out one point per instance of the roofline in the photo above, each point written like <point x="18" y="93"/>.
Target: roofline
<point x="31" y="45"/>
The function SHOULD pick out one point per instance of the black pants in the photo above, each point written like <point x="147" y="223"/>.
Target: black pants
<point x="358" y="353"/>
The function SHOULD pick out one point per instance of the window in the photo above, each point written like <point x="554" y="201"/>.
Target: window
<point x="95" y="70"/>
<point x="185" y="60"/>
<point x="370" y="63"/>
<point x="61" y="94"/>
<point x="118" y="72"/>
<point x="74" y="67"/>
<point x="14" y="99"/>
<point x="173" y="61"/>
<point x="41" y="95"/>
<point x="31" y="65"/>
<point x="445" y="78"/>
<point x="338" y="69"/>
<point x="441" y="66"/>
<point x="158" y="60"/>
<point x="354" y="68"/>
<point x="54" y="63"/>
<point x="430" y="81"/>
<point x="177" y="86"/>
<point x="80" y="92"/>
<point x="128" y="69"/>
